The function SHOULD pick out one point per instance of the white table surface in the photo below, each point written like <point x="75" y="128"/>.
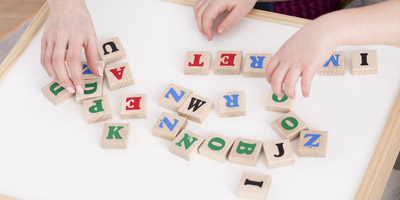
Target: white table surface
<point x="49" y="152"/>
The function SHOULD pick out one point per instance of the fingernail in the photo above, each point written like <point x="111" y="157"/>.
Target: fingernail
<point x="79" y="89"/>
<point x="100" y="71"/>
<point x="71" y="90"/>
<point x="221" y="30"/>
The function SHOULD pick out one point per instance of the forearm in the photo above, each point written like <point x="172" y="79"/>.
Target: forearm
<point x="376" y="24"/>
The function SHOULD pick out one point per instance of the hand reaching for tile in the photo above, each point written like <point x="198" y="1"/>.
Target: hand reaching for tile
<point x="69" y="27"/>
<point x="206" y="11"/>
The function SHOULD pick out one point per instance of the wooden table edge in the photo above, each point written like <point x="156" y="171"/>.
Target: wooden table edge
<point x="386" y="151"/>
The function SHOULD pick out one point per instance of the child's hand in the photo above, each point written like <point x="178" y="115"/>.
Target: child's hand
<point x="207" y="10"/>
<point x="68" y="28"/>
<point x="302" y="55"/>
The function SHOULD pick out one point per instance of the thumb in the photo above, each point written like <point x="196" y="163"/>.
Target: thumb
<point x="237" y="13"/>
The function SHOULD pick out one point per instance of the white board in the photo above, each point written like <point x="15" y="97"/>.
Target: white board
<point x="49" y="152"/>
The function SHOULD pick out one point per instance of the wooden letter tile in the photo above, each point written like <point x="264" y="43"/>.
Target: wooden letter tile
<point x="228" y="63"/>
<point x="255" y="64"/>
<point x="364" y="62"/>
<point x="288" y="126"/>
<point x="168" y="126"/>
<point x="173" y="97"/>
<point x="56" y="93"/>
<point x="97" y="109"/>
<point x="312" y="143"/>
<point x="88" y="74"/>
<point x="186" y="145"/>
<point x="133" y="106"/>
<point x="232" y="104"/>
<point x="111" y="50"/>
<point x="334" y="66"/>
<point x="278" y="154"/>
<point x="275" y="104"/>
<point x="254" y="185"/>
<point x="245" y="152"/>
<point x="216" y="147"/>
<point x="197" y="63"/>
<point x="115" y="136"/>
<point x="119" y="76"/>
<point x="196" y="108"/>
<point x="93" y="88"/>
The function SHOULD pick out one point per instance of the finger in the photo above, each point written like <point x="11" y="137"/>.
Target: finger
<point x="198" y="12"/>
<point x="237" y="13"/>
<point x="59" y="66"/>
<point x="74" y="64"/>
<point x="48" y="59"/>
<point x="211" y="12"/>
<point x="92" y="56"/>
<point x="291" y="80"/>
<point x="270" y="68"/>
<point x="306" y="80"/>
<point x="43" y="46"/>
<point x="277" y="79"/>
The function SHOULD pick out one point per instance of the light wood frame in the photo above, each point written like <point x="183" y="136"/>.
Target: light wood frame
<point x="386" y="150"/>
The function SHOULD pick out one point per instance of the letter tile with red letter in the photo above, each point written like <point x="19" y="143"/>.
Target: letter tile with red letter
<point x="119" y="76"/>
<point x="133" y="106"/>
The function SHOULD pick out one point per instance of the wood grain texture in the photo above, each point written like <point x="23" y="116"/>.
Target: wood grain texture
<point x="23" y="41"/>
<point x="381" y="164"/>
<point x="16" y="12"/>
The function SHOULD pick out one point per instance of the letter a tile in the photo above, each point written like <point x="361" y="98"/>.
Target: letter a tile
<point x="119" y="76"/>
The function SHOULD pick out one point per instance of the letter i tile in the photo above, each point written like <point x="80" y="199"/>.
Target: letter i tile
<point x="254" y="185"/>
